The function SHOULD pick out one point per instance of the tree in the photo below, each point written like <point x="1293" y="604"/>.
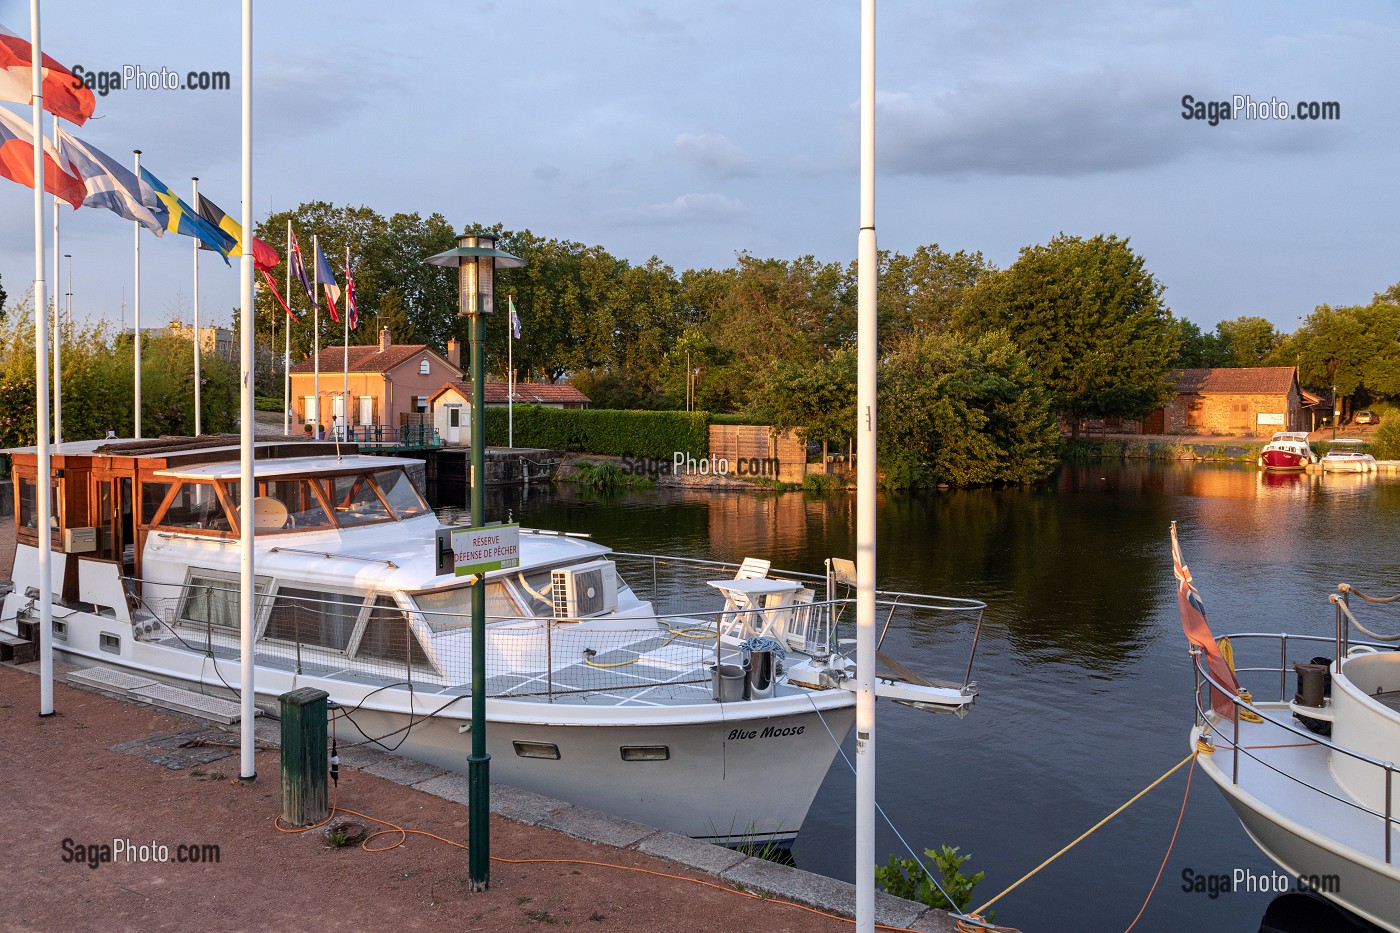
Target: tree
<point x="1248" y="341"/>
<point x="921" y="293"/>
<point x="2" y="303"/>
<point x="1199" y="350"/>
<point x="964" y="411"/>
<point x="1353" y="348"/>
<point x="820" y="399"/>
<point x="1089" y="317"/>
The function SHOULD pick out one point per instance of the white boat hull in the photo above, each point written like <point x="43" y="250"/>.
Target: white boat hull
<point x="1357" y="880"/>
<point x="716" y="783"/>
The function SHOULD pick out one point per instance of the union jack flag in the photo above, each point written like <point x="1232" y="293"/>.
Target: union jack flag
<point x="352" y="311"/>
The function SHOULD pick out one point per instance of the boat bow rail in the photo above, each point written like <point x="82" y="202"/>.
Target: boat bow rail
<point x="1284" y="733"/>
<point x="677" y="584"/>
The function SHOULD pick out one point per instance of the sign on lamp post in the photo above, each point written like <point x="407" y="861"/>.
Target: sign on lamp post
<point x="476" y="260"/>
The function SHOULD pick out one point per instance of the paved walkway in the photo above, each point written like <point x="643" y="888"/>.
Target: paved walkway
<point x="69" y="786"/>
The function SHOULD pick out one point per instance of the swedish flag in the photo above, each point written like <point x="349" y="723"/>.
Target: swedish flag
<point x="177" y="216"/>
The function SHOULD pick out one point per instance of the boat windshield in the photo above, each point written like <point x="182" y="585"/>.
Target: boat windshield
<point x="346" y="500"/>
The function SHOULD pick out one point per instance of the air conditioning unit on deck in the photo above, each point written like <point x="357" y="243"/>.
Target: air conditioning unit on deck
<point x="584" y="591"/>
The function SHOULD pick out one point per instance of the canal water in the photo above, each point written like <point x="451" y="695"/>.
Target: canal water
<point x="1083" y="671"/>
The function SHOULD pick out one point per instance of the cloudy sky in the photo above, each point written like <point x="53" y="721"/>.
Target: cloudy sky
<point x="695" y="131"/>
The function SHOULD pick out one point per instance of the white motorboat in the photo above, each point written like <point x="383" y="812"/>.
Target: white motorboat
<point x="1310" y="775"/>
<point x="595" y="695"/>
<point x="1346" y="456"/>
<point x="1287" y="450"/>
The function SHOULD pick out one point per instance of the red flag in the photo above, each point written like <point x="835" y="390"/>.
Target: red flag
<point x="264" y="256"/>
<point x="273" y="287"/>
<point x="17" y="161"/>
<point x="64" y="95"/>
<point x="1193" y="623"/>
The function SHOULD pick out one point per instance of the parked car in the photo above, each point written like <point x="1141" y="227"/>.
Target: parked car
<point x="1367" y="417"/>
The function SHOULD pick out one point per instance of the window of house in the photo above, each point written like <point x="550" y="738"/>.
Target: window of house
<point x="423" y="366"/>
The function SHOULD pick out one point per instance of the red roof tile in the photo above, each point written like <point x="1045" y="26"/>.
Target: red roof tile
<point x="1254" y="380"/>
<point x="368" y="359"/>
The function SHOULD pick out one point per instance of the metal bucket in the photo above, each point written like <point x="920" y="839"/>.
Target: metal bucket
<point x="761" y="674"/>
<point x="728" y="682"/>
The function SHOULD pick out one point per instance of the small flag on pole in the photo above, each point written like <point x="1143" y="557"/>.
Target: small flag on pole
<point x="326" y="279"/>
<point x="64" y="95"/>
<point x="352" y="312"/>
<point x="514" y="318"/>
<point x="272" y="286"/>
<point x="1193" y="622"/>
<point x="109" y="183"/>
<point x="179" y="217"/>
<point x="299" y="270"/>
<point x="17" y="161"/>
<point x="264" y="256"/>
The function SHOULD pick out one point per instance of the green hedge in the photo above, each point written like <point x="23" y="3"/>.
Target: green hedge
<point x="604" y="431"/>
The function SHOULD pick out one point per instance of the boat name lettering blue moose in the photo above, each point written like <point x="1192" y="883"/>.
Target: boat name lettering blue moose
<point x="768" y="732"/>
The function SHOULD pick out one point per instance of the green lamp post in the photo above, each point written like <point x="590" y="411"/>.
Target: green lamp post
<point x="477" y="259"/>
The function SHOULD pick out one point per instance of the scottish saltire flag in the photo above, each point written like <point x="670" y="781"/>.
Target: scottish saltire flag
<point x="1193" y="622"/>
<point x="326" y="279"/>
<point x="180" y="217"/>
<point x="514" y="318"/>
<point x="64" y="95"/>
<point x="264" y="256"/>
<point x="108" y="183"/>
<point x="299" y="270"/>
<point x="352" y="312"/>
<point x="17" y="161"/>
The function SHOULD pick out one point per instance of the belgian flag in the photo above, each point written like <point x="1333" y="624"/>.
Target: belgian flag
<point x="264" y="256"/>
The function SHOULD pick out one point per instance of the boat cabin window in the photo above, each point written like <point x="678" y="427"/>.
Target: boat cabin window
<point x="399" y="493"/>
<point x="29" y="506"/>
<point x="152" y="495"/>
<point x="314" y="617"/>
<point x="388" y="637"/>
<point x="356" y="502"/>
<point x="210" y="598"/>
<point x="451" y="610"/>
<point x="195" y="506"/>
<point x="538" y="589"/>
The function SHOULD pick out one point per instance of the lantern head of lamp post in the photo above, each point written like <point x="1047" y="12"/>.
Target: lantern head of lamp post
<point x="477" y="260"/>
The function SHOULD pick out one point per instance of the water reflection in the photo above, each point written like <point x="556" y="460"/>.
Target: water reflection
<point x="1082" y="665"/>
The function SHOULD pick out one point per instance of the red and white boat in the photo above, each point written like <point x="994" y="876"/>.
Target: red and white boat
<point x="1287" y="450"/>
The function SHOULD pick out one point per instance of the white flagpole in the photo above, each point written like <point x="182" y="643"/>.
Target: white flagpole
<point x="345" y="388"/>
<point x="41" y="381"/>
<point x="57" y="323"/>
<point x="136" y="306"/>
<point x="866" y="478"/>
<point x="287" y="344"/>
<point x="194" y="240"/>
<point x="247" y="618"/>
<point x="316" y="338"/>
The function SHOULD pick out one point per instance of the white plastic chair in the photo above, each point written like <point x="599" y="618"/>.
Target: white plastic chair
<point x="753" y="568"/>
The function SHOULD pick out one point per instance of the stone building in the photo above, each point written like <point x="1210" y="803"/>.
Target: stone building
<point x="1253" y="401"/>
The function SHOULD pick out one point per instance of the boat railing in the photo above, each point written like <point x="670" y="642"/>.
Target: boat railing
<point x="1205" y="683"/>
<point x="372" y="637"/>
<point x="679" y="585"/>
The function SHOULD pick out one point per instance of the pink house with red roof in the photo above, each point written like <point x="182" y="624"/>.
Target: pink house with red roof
<point x="387" y="383"/>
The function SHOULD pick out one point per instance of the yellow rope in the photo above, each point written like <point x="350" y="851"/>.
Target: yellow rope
<point x="681" y="633"/>
<point x="1087" y="833"/>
